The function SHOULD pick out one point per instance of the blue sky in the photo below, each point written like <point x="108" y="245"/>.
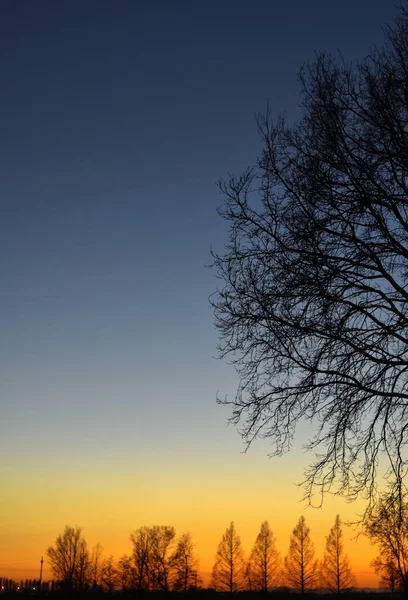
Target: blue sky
<point x="118" y="119"/>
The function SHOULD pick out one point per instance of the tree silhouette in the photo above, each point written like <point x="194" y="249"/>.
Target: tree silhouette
<point x="126" y="573"/>
<point x="385" y="566"/>
<point x="387" y="527"/>
<point x="141" y="557"/>
<point x="70" y="560"/>
<point x="84" y="573"/>
<point x="313" y="302"/>
<point x="264" y="563"/>
<point x="96" y="559"/>
<point x="109" y="574"/>
<point x="162" y="538"/>
<point x="228" y="573"/>
<point x="185" y="564"/>
<point x="336" y="572"/>
<point x="300" y="565"/>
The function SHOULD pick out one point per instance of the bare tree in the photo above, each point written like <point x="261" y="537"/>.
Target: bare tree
<point x="141" y="556"/>
<point x="387" y="526"/>
<point x="385" y="566"/>
<point x="185" y="564"/>
<point x="96" y="558"/>
<point x="300" y="565"/>
<point x="264" y="565"/>
<point x="84" y="568"/>
<point x="162" y="539"/>
<point x="228" y="573"/>
<point x="70" y="560"/>
<point x="336" y="571"/>
<point x="126" y="573"/>
<point x="109" y="574"/>
<point x="313" y="304"/>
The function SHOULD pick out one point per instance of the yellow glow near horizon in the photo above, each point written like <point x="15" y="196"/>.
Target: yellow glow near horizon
<point x="109" y="505"/>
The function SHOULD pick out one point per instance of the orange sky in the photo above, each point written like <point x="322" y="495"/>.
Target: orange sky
<point x="200" y="496"/>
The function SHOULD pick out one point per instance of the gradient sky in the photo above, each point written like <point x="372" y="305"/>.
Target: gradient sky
<point x="117" y="120"/>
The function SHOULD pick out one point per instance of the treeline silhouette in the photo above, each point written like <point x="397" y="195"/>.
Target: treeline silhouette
<point x="161" y="561"/>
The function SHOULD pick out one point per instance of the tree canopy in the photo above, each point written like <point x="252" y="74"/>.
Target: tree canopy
<point x="313" y="302"/>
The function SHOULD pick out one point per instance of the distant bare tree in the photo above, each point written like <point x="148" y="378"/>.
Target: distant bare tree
<point x="96" y="558"/>
<point x="162" y="539"/>
<point x="336" y="571"/>
<point x="313" y="302"/>
<point x="264" y="565"/>
<point x="84" y="571"/>
<point x="126" y="573"/>
<point x="385" y="566"/>
<point x="228" y="573"/>
<point x="301" y="568"/>
<point x="141" y="556"/>
<point x="109" y="574"/>
<point x="70" y="560"/>
<point x="387" y="527"/>
<point x="185" y="564"/>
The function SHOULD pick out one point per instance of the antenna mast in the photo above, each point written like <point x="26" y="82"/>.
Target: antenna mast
<point x="41" y="568"/>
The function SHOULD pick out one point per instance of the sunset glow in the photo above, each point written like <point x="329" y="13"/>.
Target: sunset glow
<point x="108" y="506"/>
<point x="119" y="119"/>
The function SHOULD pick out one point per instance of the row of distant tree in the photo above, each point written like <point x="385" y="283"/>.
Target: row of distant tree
<point x="266" y="570"/>
<point x="161" y="561"/>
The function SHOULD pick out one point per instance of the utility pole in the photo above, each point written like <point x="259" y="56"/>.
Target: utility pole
<point x="41" y="568"/>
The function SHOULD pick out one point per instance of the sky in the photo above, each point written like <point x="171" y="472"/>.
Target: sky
<point x="117" y="121"/>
